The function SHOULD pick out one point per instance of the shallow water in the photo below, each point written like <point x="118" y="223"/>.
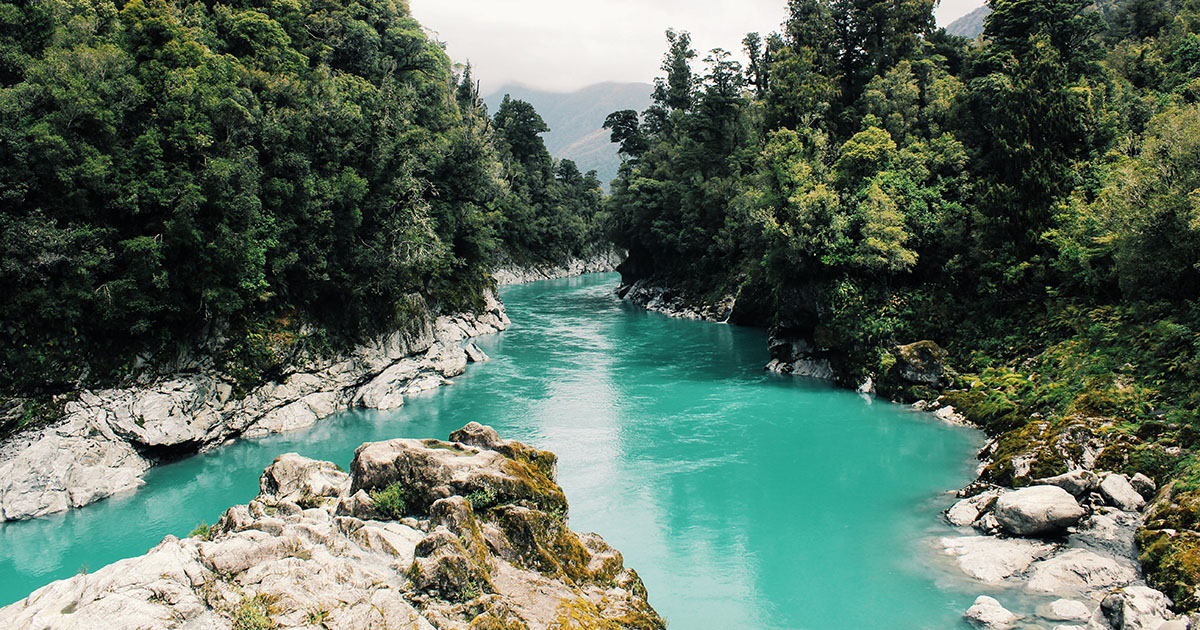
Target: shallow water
<point x="744" y="499"/>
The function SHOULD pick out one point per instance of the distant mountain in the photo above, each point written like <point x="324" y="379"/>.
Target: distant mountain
<point x="971" y="24"/>
<point x="576" y="120"/>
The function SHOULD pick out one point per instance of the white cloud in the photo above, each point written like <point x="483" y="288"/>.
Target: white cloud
<point x="568" y="44"/>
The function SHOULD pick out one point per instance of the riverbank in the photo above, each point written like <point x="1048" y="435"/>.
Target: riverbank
<point x="1083" y="569"/>
<point x="511" y="273"/>
<point x="107" y="439"/>
<point x="470" y="533"/>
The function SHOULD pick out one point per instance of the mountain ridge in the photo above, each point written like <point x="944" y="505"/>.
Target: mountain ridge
<point x="576" y="119"/>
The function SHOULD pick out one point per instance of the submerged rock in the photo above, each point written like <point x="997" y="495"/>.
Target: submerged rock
<point x="1037" y="511"/>
<point x="502" y="559"/>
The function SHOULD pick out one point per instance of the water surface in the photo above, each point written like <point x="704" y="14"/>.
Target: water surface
<point x="744" y="499"/>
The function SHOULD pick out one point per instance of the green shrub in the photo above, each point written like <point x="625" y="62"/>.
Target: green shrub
<point x="390" y="501"/>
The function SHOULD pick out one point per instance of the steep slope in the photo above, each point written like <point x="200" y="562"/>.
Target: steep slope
<point x="971" y="24"/>
<point x="576" y="120"/>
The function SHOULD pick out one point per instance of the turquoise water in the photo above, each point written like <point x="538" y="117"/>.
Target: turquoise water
<point x="745" y="500"/>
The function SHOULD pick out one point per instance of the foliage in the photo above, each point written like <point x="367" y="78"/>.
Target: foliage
<point x="254" y="613"/>
<point x="390" y="501"/>
<point x="203" y="531"/>
<point x="1028" y="201"/>
<point x="173" y="173"/>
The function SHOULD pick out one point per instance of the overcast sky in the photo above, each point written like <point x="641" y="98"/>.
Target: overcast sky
<point x="563" y="45"/>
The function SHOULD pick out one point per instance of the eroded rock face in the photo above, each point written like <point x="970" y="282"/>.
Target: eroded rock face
<point x="1037" y="511"/>
<point x="307" y="549"/>
<point x="521" y="274"/>
<point x="109" y="438"/>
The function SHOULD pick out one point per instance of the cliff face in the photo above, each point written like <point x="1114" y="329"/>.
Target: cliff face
<point x="604" y="261"/>
<point x="109" y="438"/>
<point x="422" y="534"/>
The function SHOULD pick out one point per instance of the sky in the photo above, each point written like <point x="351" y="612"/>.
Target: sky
<point x="564" y="45"/>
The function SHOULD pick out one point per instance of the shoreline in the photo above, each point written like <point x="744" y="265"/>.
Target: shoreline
<point x="421" y="533"/>
<point x="1085" y="575"/>
<point x="108" y="439"/>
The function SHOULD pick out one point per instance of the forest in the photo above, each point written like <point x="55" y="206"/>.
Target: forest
<point x="250" y="172"/>
<point x="1030" y="200"/>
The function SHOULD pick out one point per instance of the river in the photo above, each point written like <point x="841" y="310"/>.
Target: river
<point x="744" y="499"/>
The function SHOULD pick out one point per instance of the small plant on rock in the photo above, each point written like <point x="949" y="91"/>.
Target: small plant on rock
<point x="254" y="613"/>
<point x="482" y="499"/>
<point x="203" y="531"/>
<point x="389" y="501"/>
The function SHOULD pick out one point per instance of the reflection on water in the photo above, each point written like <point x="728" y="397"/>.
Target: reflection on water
<point x="745" y="500"/>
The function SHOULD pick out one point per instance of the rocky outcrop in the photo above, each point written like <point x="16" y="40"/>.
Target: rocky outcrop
<point x="800" y="357"/>
<point x="652" y="297"/>
<point x="109" y="438"/>
<point x="604" y="261"/>
<point x="314" y="550"/>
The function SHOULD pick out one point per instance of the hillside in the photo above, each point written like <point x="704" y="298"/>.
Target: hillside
<point x="576" y="120"/>
<point x="971" y="24"/>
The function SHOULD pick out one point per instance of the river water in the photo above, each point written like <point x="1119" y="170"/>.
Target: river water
<point x="744" y="499"/>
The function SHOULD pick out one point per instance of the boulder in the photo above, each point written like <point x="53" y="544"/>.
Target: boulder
<point x="994" y="559"/>
<point x="1037" y="511"/>
<point x="302" y="480"/>
<point x="430" y="470"/>
<point x="1137" y="608"/>
<point x="1066" y="610"/>
<point x="987" y="613"/>
<point x="1078" y="482"/>
<point x="967" y="511"/>
<point x="1144" y="485"/>
<point x="1079" y="571"/>
<point x="1119" y="493"/>
<point x="921" y="363"/>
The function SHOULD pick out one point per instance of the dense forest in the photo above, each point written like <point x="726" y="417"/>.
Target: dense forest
<point x="1030" y="200"/>
<point x="256" y="172"/>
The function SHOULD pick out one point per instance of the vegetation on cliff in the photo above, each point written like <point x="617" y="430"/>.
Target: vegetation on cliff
<point x="261" y="172"/>
<point x="1027" y="200"/>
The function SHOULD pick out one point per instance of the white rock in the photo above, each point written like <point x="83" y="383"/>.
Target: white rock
<point x="994" y="559"/>
<point x="1037" y="510"/>
<point x="987" y="613"/>
<point x="1119" y="493"/>
<point x="1079" y="571"/>
<point x="967" y="511"/>
<point x="1078" y="482"/>
<point x="1067" y="610"/>
<point x="1138" y="608"/>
